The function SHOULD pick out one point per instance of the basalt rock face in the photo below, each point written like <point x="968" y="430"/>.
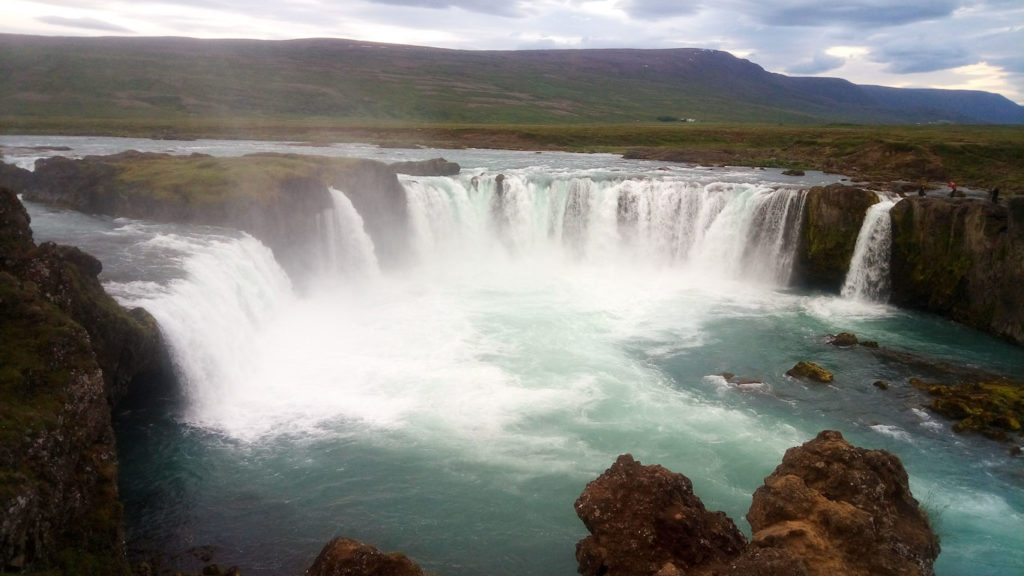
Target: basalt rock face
<point x="833" y="216"/>
<point x="69" y="351"/>
<point x="843" y="510"/>
<point x="281" y="199"/>
<point x="345" y="557"/>
<point x="963" y="259"/>
<point x="829" y="509"/>
<point x="646" y="520"/>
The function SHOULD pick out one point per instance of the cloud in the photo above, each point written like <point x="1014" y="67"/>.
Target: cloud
<point x="654" y="9"/>
<point x="914" y="59"/>
<point x="818" y="64"/>
<point x="856" y="12"/>
<point x="481" y="6"/>
<point x="92" y="24"/>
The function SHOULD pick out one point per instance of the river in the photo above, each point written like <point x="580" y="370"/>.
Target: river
<point x="544" y="322"/>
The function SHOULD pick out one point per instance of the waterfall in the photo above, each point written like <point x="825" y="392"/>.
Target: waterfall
<point x="212" y="316"/>
<point x="345" y="246"/>
<point x="732" y="230"/>
<point x="868" y="276"/>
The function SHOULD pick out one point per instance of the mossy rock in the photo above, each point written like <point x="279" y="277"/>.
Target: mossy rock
<point x="810" y="371"/>
<point x="993" y="408"/>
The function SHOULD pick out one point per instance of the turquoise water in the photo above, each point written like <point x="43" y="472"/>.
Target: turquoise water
<point x="455" y="408"/>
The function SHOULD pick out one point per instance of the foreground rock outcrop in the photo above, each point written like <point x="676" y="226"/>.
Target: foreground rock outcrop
<point x="646" y="520"/>
<point x="346" y="557"/>
<point x="69" y="351"/>
<point x="830" y="509"/>
<point x="963" y="259"/>
<point x="839" y="509"/>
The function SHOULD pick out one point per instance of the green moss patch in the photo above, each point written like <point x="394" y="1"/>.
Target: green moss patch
<point x="993" y="408"/>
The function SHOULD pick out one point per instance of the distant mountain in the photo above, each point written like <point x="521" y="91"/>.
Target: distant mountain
<point x="346" y="80"/>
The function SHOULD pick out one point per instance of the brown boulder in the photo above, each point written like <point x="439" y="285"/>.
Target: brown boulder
<point x="646" y="520"/>
<point x="843" y="510"/>
<point x="346" y="557"/>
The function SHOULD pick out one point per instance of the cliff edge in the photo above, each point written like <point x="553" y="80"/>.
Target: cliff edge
<point x="280" y="199"/>
<point x="963" y="259"/>
<point x="69" y="353"/>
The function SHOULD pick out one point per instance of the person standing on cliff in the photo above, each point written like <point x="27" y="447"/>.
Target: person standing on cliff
<point x="920" y="190"/>
<point x="995" y="195"/>
<point x="952" y="189"/>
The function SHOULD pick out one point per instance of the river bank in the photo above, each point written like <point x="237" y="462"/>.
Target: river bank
<point x="981" y="157"/>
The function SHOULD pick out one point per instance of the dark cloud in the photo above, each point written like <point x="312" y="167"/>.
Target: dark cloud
<point x="870" y="12"/>
<point x="993" y="48"/>
<point x="83" y="24"/>
<point x="906" y="59"/>
<point x="653" y="9"/>
<point x="819" y="64"/>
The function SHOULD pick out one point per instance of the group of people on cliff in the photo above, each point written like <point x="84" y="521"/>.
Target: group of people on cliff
<point x="993" y="194"/>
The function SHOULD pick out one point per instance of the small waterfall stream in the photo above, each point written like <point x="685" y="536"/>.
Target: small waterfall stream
<point x="868" y="276"/>
<point x="345" y="246"/>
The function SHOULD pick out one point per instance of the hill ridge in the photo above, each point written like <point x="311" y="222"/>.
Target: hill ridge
<point x="133" y="77"/>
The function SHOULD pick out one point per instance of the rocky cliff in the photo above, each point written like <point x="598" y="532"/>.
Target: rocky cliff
<point x="69" y="352"/>
<point x="833" y="216"/>
<point x="963" y="259"/>
<point x="277" y="198"/>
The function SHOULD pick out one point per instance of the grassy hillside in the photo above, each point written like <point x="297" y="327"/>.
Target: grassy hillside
<point x="177" y="79"/>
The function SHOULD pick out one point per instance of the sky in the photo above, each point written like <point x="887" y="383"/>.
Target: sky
<point x="953" y="44"/>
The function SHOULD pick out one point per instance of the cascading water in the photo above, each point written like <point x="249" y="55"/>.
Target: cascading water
<point x="345" y="246"/>
<point x="732" y="231"/>
<point x="453" y="407"/>
<point x="868" y="276"/>
<point x="212" y="318"/>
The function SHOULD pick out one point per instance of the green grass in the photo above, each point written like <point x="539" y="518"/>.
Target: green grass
<point x="974" y="156"/>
